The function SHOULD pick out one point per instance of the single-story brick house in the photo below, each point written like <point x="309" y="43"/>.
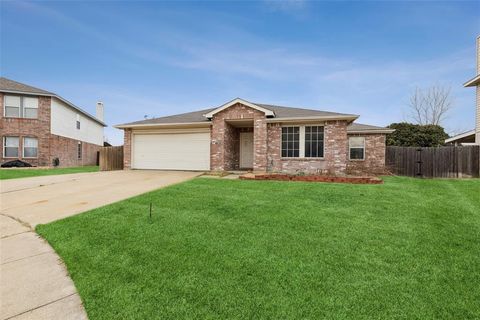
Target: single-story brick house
<point x="244" y="135"/>
<point x="40" y="127"/>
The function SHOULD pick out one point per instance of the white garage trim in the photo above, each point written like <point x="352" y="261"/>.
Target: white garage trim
<point x="171" y="149"/>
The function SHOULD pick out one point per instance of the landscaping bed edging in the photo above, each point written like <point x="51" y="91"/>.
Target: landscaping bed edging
<point x="312" y="178"/>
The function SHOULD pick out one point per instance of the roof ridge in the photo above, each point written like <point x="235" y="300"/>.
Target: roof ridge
<point x="266" y="105"/>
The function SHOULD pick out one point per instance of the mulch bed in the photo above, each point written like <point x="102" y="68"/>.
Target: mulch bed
<point x="312" y="178"/>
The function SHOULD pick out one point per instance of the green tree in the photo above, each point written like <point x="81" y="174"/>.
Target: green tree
<point x="416" y="135"/>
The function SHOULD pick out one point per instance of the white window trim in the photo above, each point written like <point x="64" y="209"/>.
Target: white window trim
<point x="301" y="152"/>
<point x="21" y="109"/>
<point x="4" y="146"/>
<point x="23" y="148"/>
<point x="349" y="147"/>
<point x="5" y="107"/>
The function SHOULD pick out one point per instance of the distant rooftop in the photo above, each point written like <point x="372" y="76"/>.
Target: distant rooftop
<point x="11" y="86"/>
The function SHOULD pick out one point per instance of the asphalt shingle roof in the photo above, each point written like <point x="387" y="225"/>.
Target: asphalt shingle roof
<point x="363" y="127"/>
<point x="10" y="85"/>
<point x="197" y="116"/>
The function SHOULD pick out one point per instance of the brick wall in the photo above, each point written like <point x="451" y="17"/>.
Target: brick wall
<point x="37" y="128"/>
<point x="224" y="138"/>
<point x="335" y="144"/>
<point x="127" y="148"/>
<point x="274" y="151"/>
<point x="334" y="161"/>
<point x="66" y="150"/>
<point x="231" y="149"/>
<point x="374" y="162"/>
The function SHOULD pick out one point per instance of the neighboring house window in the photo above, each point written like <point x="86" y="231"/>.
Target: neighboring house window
<point x="12" y="106"/>
<point x="314" y="141"/>
<point x="79" y="150"/>
<point x="290" y="142"/>
<point x="30" y="107"/>
<point x="21" y="107"/>
<point x="10" y="147"/>
<point x="78" y="124"/>
<point x="30" y="147"/>
<point x="356" y="148"/>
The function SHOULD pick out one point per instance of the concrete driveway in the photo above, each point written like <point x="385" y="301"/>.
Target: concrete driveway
<point x="33" y="282"/>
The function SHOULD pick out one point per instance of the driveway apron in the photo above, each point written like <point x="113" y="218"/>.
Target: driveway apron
<point x="34" y="283"/>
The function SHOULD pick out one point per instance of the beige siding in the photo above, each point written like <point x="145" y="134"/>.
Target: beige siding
<point x="63" y="123"/>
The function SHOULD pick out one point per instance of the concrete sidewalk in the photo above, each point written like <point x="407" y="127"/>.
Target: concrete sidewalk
<point x="34" y="284"/>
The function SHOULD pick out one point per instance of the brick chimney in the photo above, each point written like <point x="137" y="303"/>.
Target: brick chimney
<point x="100" y="111"/>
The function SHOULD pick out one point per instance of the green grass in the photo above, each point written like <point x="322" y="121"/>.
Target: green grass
<point x="221" y="249"/>
<point x="25" y="173"/>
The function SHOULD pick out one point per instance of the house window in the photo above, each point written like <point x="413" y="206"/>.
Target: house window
<point x="21" y="107"/>
<point x="10" y="147"/>
<point x="314" y="141"/>
<point x="30" y="147"/>
<point x="356" y="148"/>
<point x="290" y="142"/>
<point x="79" y="150"/>
<point x="78" y="124"/>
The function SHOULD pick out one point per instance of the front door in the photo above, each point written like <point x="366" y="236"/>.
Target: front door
<point x="246" y="150"/>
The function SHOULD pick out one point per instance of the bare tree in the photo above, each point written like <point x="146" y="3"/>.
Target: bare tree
<point x="431" y="105"/>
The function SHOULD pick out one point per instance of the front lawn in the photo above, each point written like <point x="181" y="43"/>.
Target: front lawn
<point x="222" y="249"/>
<point x="27" y="172"/>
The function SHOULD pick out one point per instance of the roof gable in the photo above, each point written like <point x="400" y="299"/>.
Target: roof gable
<point x="268" y="112"/>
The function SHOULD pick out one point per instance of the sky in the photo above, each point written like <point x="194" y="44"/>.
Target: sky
<point x="159" y="58"/>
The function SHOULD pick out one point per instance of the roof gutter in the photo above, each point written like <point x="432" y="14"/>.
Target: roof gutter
<point x="460" y="136"/>
<point x="370" y="131"/>
<point x="163" y="125"/>
<point x="349" y="118"/>
<point x="473" y="82"/>
<point x="59" y="98"/>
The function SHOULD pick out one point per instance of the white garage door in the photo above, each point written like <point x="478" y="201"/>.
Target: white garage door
<point x="172" y="151"/>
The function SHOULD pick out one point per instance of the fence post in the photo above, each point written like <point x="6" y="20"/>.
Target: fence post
<point x="419" y="163"/>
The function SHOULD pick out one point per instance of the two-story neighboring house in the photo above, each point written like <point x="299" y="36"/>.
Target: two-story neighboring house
<point x="44" y="129"/>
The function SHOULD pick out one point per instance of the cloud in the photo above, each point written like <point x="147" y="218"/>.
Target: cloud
<point x="266" y="69"/>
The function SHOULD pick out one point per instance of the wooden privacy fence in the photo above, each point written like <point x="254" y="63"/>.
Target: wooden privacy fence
<point x="434" y="162"/>
<point x="111" y="158"/>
